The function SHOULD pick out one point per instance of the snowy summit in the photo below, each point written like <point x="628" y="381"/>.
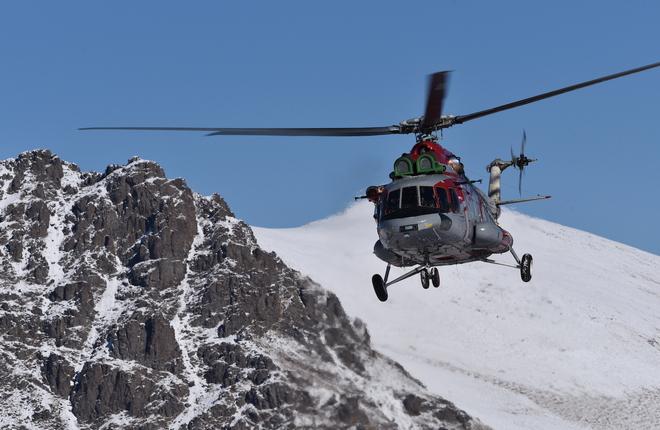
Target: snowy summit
<point x="577" y="347"/>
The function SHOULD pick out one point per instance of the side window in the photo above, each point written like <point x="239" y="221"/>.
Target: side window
<point x="426" y="199"/>
<point x="409" y="198"/>
<point x="443" y="201"/>
<point x="392" y="203"/>
<point x="455" y="205"/>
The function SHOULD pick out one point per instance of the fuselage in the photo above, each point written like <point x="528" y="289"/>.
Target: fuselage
<point x="436" y="218"/>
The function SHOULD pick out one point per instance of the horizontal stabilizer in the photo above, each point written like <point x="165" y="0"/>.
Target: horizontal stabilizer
<point x="529" y="199"/>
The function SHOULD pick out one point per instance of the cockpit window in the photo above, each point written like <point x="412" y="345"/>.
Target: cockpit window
<point x="392" y="203"/>
<point x="426" y="199"/>
<point x="455" y="205"/>
<point x="443" y="201"/>
<point x="409" y="198"/>
<point x="411" y="202"/>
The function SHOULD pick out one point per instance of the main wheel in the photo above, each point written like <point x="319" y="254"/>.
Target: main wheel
<point x="424" y="276"/>
<point x="379" y="287"/>
<point x="526" y="267"/>
<point x="435" y="277"/>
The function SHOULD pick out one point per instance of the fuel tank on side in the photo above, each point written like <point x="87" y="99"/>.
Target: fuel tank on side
<point x="487" y="235"/>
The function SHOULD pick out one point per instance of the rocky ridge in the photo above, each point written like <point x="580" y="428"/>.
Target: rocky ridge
<point x="128" y="301"/>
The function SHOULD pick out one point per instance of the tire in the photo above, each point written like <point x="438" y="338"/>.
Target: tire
<point x="424" y="277"/>
<point x="435" y="277"/>
<point x="526" y="267"/>
<point x="379" y="287"/>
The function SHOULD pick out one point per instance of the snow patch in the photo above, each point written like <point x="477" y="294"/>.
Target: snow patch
<point x="201" y="396"/>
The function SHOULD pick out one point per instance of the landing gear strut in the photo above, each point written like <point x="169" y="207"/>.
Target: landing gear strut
<point x="427" y="277"/>
<point x="524" y="264"/>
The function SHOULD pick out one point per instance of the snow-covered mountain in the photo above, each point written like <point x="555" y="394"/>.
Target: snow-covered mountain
<point x="129" y="302"/>
<point x="577" y="347"/>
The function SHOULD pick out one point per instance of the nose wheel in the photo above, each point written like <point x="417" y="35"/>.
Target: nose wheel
<point x="430" y="277"/>
<point x="424" y="277"/>
<point x="435" y="277"/>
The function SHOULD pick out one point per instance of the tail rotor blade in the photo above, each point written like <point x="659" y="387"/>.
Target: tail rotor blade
<point x="520" y="176"/>
<point x="524" y="141"/>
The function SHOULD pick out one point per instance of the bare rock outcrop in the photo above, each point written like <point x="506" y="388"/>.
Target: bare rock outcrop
<point x="127" y="301"/>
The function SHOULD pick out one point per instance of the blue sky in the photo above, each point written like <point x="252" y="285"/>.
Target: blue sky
<point x="344" y="63"/>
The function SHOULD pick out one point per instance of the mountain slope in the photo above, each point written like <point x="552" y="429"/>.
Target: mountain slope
<point x="577" y="347"/>
<point x="127" y="301"/>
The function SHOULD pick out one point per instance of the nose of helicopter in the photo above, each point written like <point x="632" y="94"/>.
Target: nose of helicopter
<point x="416" y="232"/>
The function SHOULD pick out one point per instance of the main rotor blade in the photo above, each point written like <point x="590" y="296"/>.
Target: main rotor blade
<point x="463" y="118"/>
<point x="350" y="131"/>
<point x="437" y="90"/>
<point x="215" y="131"/>
<point x="151" y="128"/>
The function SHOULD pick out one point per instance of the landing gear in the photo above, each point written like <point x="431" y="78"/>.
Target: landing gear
<point x="524" y="264"/>
<point x="379" y="287"/>
<point x="427" y="277"/>
<point x="435" y="277"/>
<point x="526" y="268"/>
<point x="424" y="277"/>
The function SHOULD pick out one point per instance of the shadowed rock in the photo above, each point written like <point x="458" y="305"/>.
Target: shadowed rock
<point x="149" y="341"/>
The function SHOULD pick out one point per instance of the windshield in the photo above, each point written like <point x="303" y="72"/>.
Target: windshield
<point x="415" y="201"/>
<point x="409" y="198"/>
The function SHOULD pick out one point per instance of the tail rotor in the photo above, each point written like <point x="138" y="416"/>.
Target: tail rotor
<point x="521" y="161"/>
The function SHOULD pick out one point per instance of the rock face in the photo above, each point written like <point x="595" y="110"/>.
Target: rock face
<point x="127" y="301"/>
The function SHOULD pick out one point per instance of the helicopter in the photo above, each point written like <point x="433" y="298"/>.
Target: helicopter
<point x="430" y="214"/>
